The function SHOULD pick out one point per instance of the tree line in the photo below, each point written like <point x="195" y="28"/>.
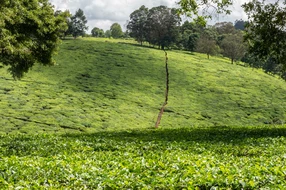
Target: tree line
<point x="30" y="32"/>
<point x="162" y="26"/>
<point x="260" y="41"/>
<point x="77" y="26"/>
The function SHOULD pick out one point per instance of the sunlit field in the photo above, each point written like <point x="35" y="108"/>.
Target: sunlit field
<point x="88" y="122"/>
<point x="102" y="84"/>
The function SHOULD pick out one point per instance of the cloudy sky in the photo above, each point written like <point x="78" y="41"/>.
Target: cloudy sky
<point x="103" y="13"/>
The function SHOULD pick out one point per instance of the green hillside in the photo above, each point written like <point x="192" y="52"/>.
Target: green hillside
<point x="102" y="84"/>
<point x="210" y="135"/>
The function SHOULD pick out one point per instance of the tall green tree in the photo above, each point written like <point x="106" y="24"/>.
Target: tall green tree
<point x="233" y="46"/>
<point x="29" y="33"/>
<point x="137" y="24"/>
<point x="116" y="30"/>
<point x="207" y="42"/>
<point x="224" y="29"/>
<point x="107" y="34"/>
<point x="78" y="24"/>
<point x="266" y="30"/>
<point x="163" y="26"/>
<point x="190" y="33"/>
<point x="97" y="32"/>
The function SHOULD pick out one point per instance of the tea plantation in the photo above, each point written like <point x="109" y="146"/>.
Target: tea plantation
<point x="87" y="122"/>
<point x="186" y="158"/>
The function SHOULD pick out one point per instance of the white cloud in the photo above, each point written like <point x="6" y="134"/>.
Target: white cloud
<point x="237" y="12"/>
<point x="102" y="13"/>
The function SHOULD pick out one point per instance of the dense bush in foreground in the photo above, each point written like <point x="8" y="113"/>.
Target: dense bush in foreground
<point x="186" y="158"/>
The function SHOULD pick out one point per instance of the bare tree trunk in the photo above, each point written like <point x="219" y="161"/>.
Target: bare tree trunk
<point x="166" y="93"/>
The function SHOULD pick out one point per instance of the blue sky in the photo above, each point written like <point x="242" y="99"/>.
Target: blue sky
<point x="103" y="13"/>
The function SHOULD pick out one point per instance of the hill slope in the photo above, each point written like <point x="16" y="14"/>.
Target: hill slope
<point x="101" y="84"/>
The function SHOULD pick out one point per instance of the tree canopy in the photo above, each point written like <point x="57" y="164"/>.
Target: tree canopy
<point x="162" y="26"/>
<point x="239" y="24"/>
<point x="116" y="30"/>
<point x="207" y="42"/>
<point x="189" y="34"/>
<point x="78" y="23"/>
<point x="137" y="24"/>
<point x="107" y="33"/>
<point x="233" y="46"/>
<point x="65" y="25"/>
<point x="266" y="30"/>
<point x="97" y="32"/>
<point x="29" y="33"/>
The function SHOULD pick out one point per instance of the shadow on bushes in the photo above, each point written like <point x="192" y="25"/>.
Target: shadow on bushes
<point x="208" y="134"/>
<point x="185" y="138"/>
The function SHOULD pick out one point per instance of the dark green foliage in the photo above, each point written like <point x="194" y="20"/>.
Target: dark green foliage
<point x="252" y="60"/>
<point x="207" y="43"/>
<point x="65" y="25"/>
<point x="162" y="26"/>
<point x="107" y="34"/>
<point x="230" y="41"/>
<point x="97" y="32"/>
<point x="266" y="37"/>
<point x="239" y="24"/>
<point x="137" y="24"/>
<point x="233" y="46"/>
<point x="190" y="40"/>
<point x="190" y="33"/>
<point x="70" y="28"/>
<point x="224" y="28"/>
<point x="29" y="33"/>
<point x="116" y="31"/>
<point x="77" y="25"/>
<point x="158" y="26"/>
<point x="270" y="66"/>
<point x="184" y="158"/>
<point x="265" y="32"/>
